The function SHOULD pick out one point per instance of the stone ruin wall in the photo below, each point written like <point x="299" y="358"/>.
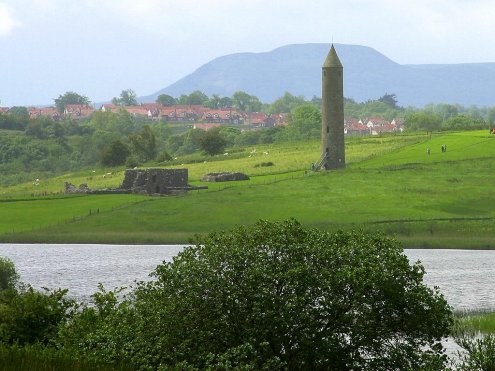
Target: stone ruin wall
<point x="155" y="181"/>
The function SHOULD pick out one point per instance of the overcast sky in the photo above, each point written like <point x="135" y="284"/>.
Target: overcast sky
<point x="100" y="47"/>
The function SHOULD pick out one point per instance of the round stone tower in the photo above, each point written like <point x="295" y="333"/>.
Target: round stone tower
<point x="332" y="112"/>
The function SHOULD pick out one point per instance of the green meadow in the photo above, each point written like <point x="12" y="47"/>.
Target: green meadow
<point x="391" y="184"/>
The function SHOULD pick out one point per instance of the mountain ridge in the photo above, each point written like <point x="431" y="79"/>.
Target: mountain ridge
<point x="368" y="74"/>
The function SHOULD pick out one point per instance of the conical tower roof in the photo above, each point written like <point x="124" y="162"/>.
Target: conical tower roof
<point x="332" y="59"/>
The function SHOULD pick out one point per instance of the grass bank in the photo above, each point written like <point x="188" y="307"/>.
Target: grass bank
<point x="441" y="200"/>
<point x="476" y="323"/>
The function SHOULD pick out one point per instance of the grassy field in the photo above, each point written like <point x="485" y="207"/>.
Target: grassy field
<point x="476" y="323"/>
<point x="390" y="184"/>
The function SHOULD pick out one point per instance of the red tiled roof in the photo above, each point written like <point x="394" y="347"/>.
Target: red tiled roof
<point x="110" y="107"/>
<point x="378" y="121"/>
<point x="78" y="110"/>
<point x="152" y="106"/>
<point x="137" y="110"/>
<point x="44" y="111"/>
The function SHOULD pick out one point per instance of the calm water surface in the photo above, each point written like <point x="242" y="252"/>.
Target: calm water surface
<point x="465" y="277"/>
<point x="80" y="268"/>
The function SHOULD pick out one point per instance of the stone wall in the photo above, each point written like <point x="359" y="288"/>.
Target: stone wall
<point x="224" y="177"/>
<point x="154" y="181"/>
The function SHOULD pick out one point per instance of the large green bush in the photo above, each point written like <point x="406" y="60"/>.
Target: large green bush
<point x="8" y="274"/>
<point x="478" y="354"/>
<point x="274" y="295"/>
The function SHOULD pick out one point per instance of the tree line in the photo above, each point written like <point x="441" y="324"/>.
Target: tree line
<point x="44" y="146"/>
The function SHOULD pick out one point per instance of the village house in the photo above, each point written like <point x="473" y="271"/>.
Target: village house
<point x="78" y="111"/>
<point x="372" y="126"/>
<point x="223" y="116"/>
<point x="109" y="107"/>
<point x="374" y="122"/>
<point x="51" y="112"/>
<point x="182" y="113"/>
<point x="353" y="126"/>
<point x="260" y="120"/>
<point x="206" y="118"/>
<point x="399" y="124"/>
<point x="153" y="110"/>
<point x="385" y="128"/>
<point x="280" y="119"/>
<point x="137" y="111"/>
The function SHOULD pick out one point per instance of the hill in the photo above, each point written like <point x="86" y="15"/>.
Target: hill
<point x="439" y="200"/>
<point x="368" y="75"/>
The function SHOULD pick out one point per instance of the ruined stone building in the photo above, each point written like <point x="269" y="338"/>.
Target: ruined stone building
<point x="155" y="181"/>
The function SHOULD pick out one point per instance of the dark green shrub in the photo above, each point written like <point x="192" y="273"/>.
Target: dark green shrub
<point x="479" y="353"/>
<point x="8" y="274"/>
<point x="275" y="295"/>
<point x="264" y="164"/>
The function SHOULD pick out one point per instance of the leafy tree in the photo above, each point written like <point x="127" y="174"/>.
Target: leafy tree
<point x="44" y="127"/>
<point x="479" y="353"/>
<point x="69" y="98"/>
<point x="226" y="102"/>
<point x="304" y="122"/>
<point x="217" y="102"/>
<point x="175" y="142"/>
<point x="423" y="120"/>
<point x="8" y="274"/>
<point x="26" y="315"/>
<point x="164" y="156"/>
<point x="115" y="154"/>
<point x="371" y="108"/>
<point x="272" y="135"/>
<point x="286" y="103"/>
<point x="196" y="97"/>
<point x="317" y="101"/>
<point x="278" y="296"/>
<point x="249" y="138"/>
<point x="166" y="100"/>
<point x="19" y="111"/>
<point x="446" y="111"/>
<point x="230" y="134"/>
<point x="245" y="102"/>
<point x="491" y="116"/>
<point x="463" y="122"/>
<point x="32" y="317"/>
<point x="190" y="141"/>
<point x="474" y="112"/>
<point x="14" y="120"/>
<point x="143" y="144"/>
<point x="127" y="98"/>
<point x="389" y="99"/>
<point x="213" y="102"/>
<point x="119" y="124"/>
<point x="213" y="142"/>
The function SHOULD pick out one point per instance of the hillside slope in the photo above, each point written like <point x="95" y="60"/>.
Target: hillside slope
<point x="368" y="75"/>
<point x="391" y="184"/>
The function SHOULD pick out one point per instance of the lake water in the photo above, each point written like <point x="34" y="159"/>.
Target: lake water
<point x="80" y="268"/>
<point x="465" y="277"/>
